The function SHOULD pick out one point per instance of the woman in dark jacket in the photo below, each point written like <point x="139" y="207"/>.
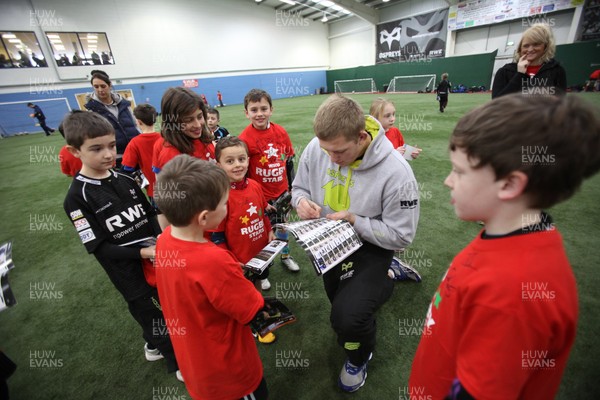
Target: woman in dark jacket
<point x="534" y="70"/>
<point x="114" y="108"/>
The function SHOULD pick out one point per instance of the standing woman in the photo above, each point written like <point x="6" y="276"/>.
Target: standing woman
<point x="114" y="108"/>
<point x="534" y="70"/>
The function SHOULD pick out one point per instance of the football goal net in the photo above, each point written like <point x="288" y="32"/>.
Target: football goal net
<point x="366" y="85"/>
<point x="412" y="83"/>
<point x="15" y="115"/>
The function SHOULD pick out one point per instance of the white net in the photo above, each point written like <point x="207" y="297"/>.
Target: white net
<point x="366" y="85"/>
<point x="412" y="83"/>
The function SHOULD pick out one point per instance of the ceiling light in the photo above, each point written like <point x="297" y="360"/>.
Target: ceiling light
<point x="324" y="19"/>
<point x="293" y="3"/>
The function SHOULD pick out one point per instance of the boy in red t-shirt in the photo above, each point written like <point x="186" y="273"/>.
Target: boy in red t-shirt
<point x="138" y="153"/>
<point x="69" y="164"/>
<point x="503" y="320"/>
<point x="205" y="298"/>
<point x="271" y="158"/>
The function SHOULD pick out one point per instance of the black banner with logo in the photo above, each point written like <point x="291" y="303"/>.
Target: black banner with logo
<point x="412" y="39"/>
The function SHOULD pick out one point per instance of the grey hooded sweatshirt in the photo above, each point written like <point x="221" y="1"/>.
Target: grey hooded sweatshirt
<point x="381" y="189"/>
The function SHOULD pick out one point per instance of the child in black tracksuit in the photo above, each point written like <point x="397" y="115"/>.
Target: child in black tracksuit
<point x="442" y="92"/>
<point x="116" y="223"/>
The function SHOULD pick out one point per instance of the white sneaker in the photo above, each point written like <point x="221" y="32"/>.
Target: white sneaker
<point x="152" y="355"/>
<point x="290" y="264"/>
<point x="179" y="376"/>
<point x="265" y="284"/>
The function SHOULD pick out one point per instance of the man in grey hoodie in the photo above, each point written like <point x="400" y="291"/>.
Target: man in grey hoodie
<point x="350" y="171"/>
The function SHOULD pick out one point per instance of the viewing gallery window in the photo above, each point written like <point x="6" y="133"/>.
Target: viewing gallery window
<point x="80" y="48"/>
<point x="20" y="50"/>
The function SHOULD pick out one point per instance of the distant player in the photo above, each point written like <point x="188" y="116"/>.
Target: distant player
<point x="39" y="114"/>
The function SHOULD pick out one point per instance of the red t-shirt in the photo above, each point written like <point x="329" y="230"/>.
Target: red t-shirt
<point x="395" y="136"/>
<point x="163" y="153"/>
<point x="532" y="70"/>
<point x="269" y="149"/>
<point x="207" y="304"/>
<point x="502" y="321"/>
<point x="69" y="164"/>
<point x="247" y="226"/>
<point x="138" y="153"/>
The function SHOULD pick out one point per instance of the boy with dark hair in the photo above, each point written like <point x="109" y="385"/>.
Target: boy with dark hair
<point x="39" y="114"/>
<point x="138" y="153"/>
<point x="212" y="121"/>
<point x="503" y="320"/>
<point x="351" y="171"/>
<point x="271" y="158"/>
<point x="203" y="288"/>
<point x="115" y="222"/>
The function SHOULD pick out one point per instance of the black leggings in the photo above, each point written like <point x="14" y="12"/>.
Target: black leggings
<point x="356" y="288"/>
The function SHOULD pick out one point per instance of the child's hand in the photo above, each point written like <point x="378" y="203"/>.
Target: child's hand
<point x="272" y="236"/>
<point x="270" y="208"/>
<point x="401" y="150"/>
<point x="148" y="252"/>
<point x="416" y="152"/>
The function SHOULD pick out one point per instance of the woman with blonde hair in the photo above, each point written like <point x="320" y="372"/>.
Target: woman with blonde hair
<point x="534" y="70"/>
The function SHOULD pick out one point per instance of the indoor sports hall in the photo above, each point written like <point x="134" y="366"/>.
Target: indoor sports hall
<point x="67" y="329"/>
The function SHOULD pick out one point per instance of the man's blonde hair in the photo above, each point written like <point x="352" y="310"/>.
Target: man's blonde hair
<point x="339" y="116"/>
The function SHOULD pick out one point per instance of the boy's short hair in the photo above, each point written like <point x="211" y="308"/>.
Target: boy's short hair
<point x="538" y="33"/>
<point x="339" y="116"/>
<point x="444" y="75"/>
<point x="553" y="140"/>
<point x="146" y="113"/>
<point x="81" y="125"/>
<point x="228" y="141"/>
<point x="255" y="96"/>
<point x="212" y="110"/>
<point x="29" y="104"/>
<point x="187" y="186"/>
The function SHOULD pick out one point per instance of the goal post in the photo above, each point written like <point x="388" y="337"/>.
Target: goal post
<point x="15" y="115"/>
<point x="411" y="83"/>
<point x="365" y="85"/>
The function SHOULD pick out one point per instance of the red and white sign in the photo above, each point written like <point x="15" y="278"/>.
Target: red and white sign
<point x="190" y="83"/>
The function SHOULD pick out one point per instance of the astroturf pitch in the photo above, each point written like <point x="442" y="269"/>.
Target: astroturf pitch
<point x="73" y="338"/>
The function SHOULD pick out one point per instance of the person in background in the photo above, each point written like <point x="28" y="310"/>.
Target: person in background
<point x="534" y="70"/>
<point x="114" y="108"/>
<point x="39" y="114"/>
<point x="442" y="91"/>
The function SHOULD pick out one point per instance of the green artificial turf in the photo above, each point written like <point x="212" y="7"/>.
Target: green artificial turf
<point x="73" y="338"/>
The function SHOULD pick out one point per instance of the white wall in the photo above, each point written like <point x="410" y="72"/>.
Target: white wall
<point x="160" y="39"/>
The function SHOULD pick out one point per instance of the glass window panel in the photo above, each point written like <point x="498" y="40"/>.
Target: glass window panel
<point x="20" y="50"/>
<point x="80" y="48"/>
